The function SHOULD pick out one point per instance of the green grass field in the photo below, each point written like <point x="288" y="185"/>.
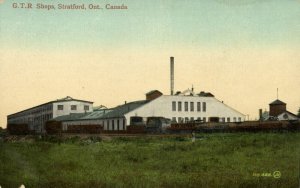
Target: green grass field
<point x="213" y="160"/>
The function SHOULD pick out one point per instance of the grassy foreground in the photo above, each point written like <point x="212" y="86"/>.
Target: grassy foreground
<point x="213" y="160"/>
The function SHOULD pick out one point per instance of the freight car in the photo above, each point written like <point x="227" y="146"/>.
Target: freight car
<point x="151" y="125"/>
<point x="157" y="124"/>
<point x="249" y="126"/>
<point x="56" y="127"/>
<point x="18" y="129"/>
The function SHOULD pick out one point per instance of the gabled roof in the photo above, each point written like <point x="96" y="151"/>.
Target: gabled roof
<point x="286" y="115"/>
<point x="68" y="98"/>
<point x="97" y="114"/>
<point x="100" y="107"/>
<point x="288" y="112"/>
<point x="277" y="102"/>
<point x="70" y="117"/>
<point x="65" y="99"/>
<point x="119" y="111"/>
<point x="116" y="112"/>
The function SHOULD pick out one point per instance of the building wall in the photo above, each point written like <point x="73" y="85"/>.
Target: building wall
<point x="276" y="109"/>
<point x="36" y="117"/>
<point x="108" y="124"/>
<point x="163" y="106"/>
<point x="286" y="116"/>
<point x="67" y="108"/>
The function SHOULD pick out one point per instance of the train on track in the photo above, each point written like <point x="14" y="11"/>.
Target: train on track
<point x="161" y="125"/>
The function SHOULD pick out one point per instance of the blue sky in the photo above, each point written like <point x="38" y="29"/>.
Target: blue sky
<point x="156" y="23"/>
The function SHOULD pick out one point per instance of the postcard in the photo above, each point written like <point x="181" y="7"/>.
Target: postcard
<point x="128" y="93"/>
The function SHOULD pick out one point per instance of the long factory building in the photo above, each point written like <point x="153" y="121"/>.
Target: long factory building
<point x="178" y="107"/>
<point x="36" y="117"/>
<point x="181" y="107"/>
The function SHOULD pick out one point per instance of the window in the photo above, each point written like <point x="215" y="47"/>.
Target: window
<point x="240" y="119"/>
<point x="192" y="106"/>
<point x="192" y="118"/>
<point x="204" y="119"/>
<point x="60" y="107"/>
<point x="118" y="124"/>
<point x="179" y="106"/>
<point x="124" y="122"/>
<point x="204" y="106"/>
<point x="173" y="106"/>
<point x="73" y="107"/>
<point x="180" y="120"/>
<point x="199" y="118"/>
<point x="174" y="120"/>
<point x="186" y="106"/>
<point x="198" y="106"/>
<point x="113" y="124"/>
<point x="234" y="119"/>
<point x="86" y="107"/>
<point x="223" y="119"/>
<point x="228" y="119"/>
<point x="186" y="119"/>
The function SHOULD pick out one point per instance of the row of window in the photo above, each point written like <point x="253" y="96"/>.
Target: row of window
<point x="186" y="119"/>
<point x="109" y="124"/>
<point x="34" y="111"/>
<point x="32" y="119"/>
<point x="44" y="117"/>
<point x="204" y="119"/>
<point x="42" y="109"/>
<point x="73" y="107"/>
<point x="188" y="106"/>
<point x="115" y="125"/>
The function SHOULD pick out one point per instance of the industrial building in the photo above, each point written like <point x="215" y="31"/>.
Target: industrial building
<point x="185" y="107"/>
<point x="111" y="119"/>
<point x="181" y="107"/>
<point x="35" y="117"/>
<point x="277" y="111"/>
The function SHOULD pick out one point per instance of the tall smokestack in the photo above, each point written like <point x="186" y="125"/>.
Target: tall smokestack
<point x="172" y="74"/>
